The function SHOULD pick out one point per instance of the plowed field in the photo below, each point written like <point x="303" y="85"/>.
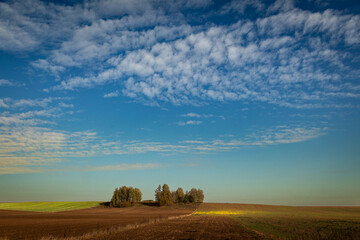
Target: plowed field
<point x="34" y="225"/>
<point x="210" y="221"/>
<point x="192" y="227"/>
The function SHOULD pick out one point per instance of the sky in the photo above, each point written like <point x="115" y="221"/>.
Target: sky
<point x="253" y="101"/>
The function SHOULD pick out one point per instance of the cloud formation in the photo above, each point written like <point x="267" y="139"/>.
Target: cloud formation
<point x="29" y="142"/>
<point x="26" y="146"/>
<point x="280" y="59"/>
<point x="157" y="53"/>
<point x="172" y="52"/>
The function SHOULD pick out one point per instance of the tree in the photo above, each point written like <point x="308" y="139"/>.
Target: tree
<point x="165" y="196"/>
<point x="158" y="194"/>
<point x="200" y="196"/>
<point x="115" y="197"/>
<point x="131" y="195"/>
<point x="138" y="195"/>
<point x="125" y="196"/>
<point x="188" y="198"/>
<point x="193" y="194"/>
<point x="179" y="195"/>
<point x="173" y="196"/>
<point x="197" y="195"/>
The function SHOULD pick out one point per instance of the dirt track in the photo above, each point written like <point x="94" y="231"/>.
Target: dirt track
<point x="192" y="227"/>
<point x="32" y="225"/>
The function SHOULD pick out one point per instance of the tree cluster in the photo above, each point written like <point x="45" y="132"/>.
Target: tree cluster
<point x="125" y="196"/>
<point x="163" y="196"/>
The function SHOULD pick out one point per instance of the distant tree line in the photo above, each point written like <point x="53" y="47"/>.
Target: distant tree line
<point x="163" y="196"/>
<point x="125" y="197"/>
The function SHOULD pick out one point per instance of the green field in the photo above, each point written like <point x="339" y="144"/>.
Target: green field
<point x="283" y="222"/>
<point x="47" y="206"/>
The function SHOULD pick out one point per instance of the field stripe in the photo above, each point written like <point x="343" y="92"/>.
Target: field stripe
<point x="48" y="206"/>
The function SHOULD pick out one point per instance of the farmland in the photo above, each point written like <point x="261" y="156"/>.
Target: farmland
<point x="209" y="221"/>
<point x="75" y="223"/>
<point x="284" y="222"/>
<point x="47" y="206"/>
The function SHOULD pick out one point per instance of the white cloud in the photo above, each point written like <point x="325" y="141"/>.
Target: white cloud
<point x="105" y="37"/>
<point x="24" y="25"/>
<point x="33" y="112"/>
<point x="26" y="146"/>
<point x="194" y="115"/>
<point x="281" y="5"/>
<point x="193" y="142"/>
<point x="112" y="94"/>
<point x="241" y="6"/>
<point x="123" y="167"/>
<point x="190" y="122"/>
<point x="3" y="104"/>
<point x="266" y="137"/>
<point x="39" y="102"/>
<point x="269" y="67"/>
<point x="42" y="169"/>
<point x="65" y="105"/>
<point x="47" y="66"/>
<point x="287" y="56"/>
<point x="4" y="82"/>
<point x="19" y="170"/>
<point x="34" y="146"/>
<point x="27" y="25"/>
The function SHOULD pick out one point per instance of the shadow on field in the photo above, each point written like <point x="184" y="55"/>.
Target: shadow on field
<point x="105" y="204"/>
<point x="149" y="203"/>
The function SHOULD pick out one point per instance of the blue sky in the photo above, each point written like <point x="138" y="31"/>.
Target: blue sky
<point x="251" y="101"/>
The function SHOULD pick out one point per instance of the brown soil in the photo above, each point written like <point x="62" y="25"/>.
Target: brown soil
<point x="191" y="227"/>
<point x="34" y="225"/>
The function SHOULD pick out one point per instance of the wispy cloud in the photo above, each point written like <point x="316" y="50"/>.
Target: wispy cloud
<point x="5" y="82"/>
<point x="123" y="167"/>
<point x="277" y="135"/>
<point x="159" y="52"/>
<point x="287" y="56"/>
<point x="33" y="111"/>
<point x="269" y="63"/>
<point x="31" y="148"/>
<point x="194" y="115"/>
<point x="42" y="169"/>
<point x="22" y="30"/>
<point x="3" y="104"/>
<point x="39" y="102"/>
<point x="190" y="122"/>
<point x="112" y="94"/>
<point x="193" y="142"/>
<point x="241" y="6"/>
<point x="19" y="170"/>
